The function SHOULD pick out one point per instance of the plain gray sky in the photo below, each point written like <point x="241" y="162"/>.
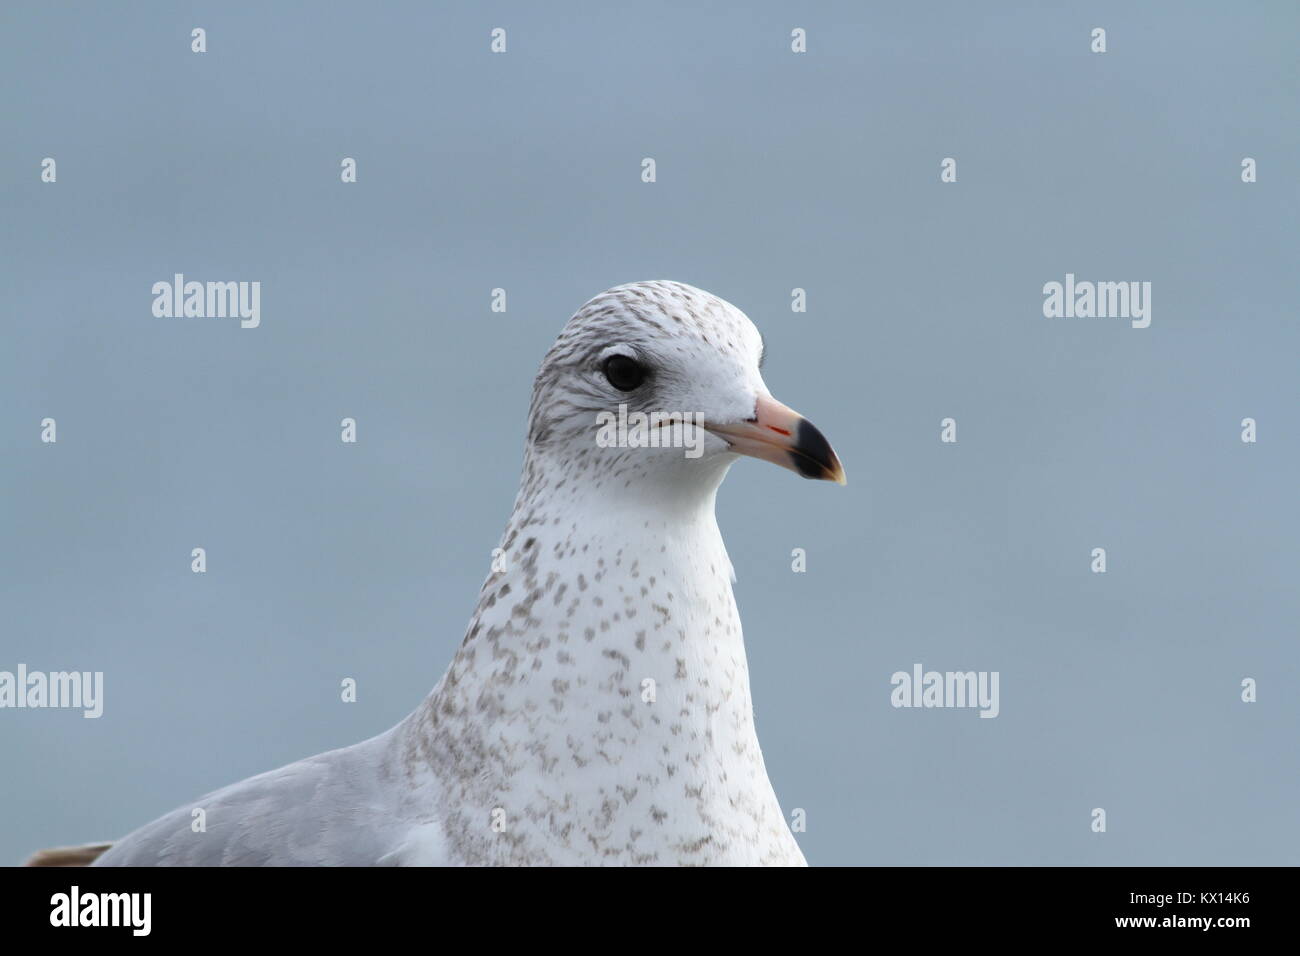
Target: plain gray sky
<point x="775" y="171"/>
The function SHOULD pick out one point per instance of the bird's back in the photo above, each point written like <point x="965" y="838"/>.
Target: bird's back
<point x="333" y="809"/>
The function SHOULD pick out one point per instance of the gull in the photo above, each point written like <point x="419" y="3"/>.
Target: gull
<point x="598" y="710"/>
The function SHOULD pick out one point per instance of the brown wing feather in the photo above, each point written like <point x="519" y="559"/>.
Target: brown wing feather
<point x="68" y="855"/>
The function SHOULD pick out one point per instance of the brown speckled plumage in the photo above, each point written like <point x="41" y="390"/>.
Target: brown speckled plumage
<point x="537" y="746"/>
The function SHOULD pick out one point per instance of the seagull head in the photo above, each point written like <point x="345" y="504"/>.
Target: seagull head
<point x="661" y="380"/>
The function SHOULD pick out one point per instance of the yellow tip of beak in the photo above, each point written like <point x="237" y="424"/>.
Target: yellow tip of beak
<point x="784" y="437"/>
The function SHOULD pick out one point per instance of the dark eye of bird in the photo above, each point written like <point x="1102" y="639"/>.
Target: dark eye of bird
<point x="624" y="373"/>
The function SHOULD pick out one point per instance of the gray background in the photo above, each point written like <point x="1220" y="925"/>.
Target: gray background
<point x="775" y="170"/>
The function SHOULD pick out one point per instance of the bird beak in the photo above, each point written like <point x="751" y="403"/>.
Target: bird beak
<point x="784" y="437"/>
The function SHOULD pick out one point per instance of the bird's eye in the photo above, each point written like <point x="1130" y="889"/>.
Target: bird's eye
<point x="624" y="373"/>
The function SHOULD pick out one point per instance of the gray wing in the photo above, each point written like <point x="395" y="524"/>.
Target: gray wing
<point x="334" y="809"/>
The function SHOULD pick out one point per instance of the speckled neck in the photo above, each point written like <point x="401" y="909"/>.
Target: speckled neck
<point x="605" y="664"/>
